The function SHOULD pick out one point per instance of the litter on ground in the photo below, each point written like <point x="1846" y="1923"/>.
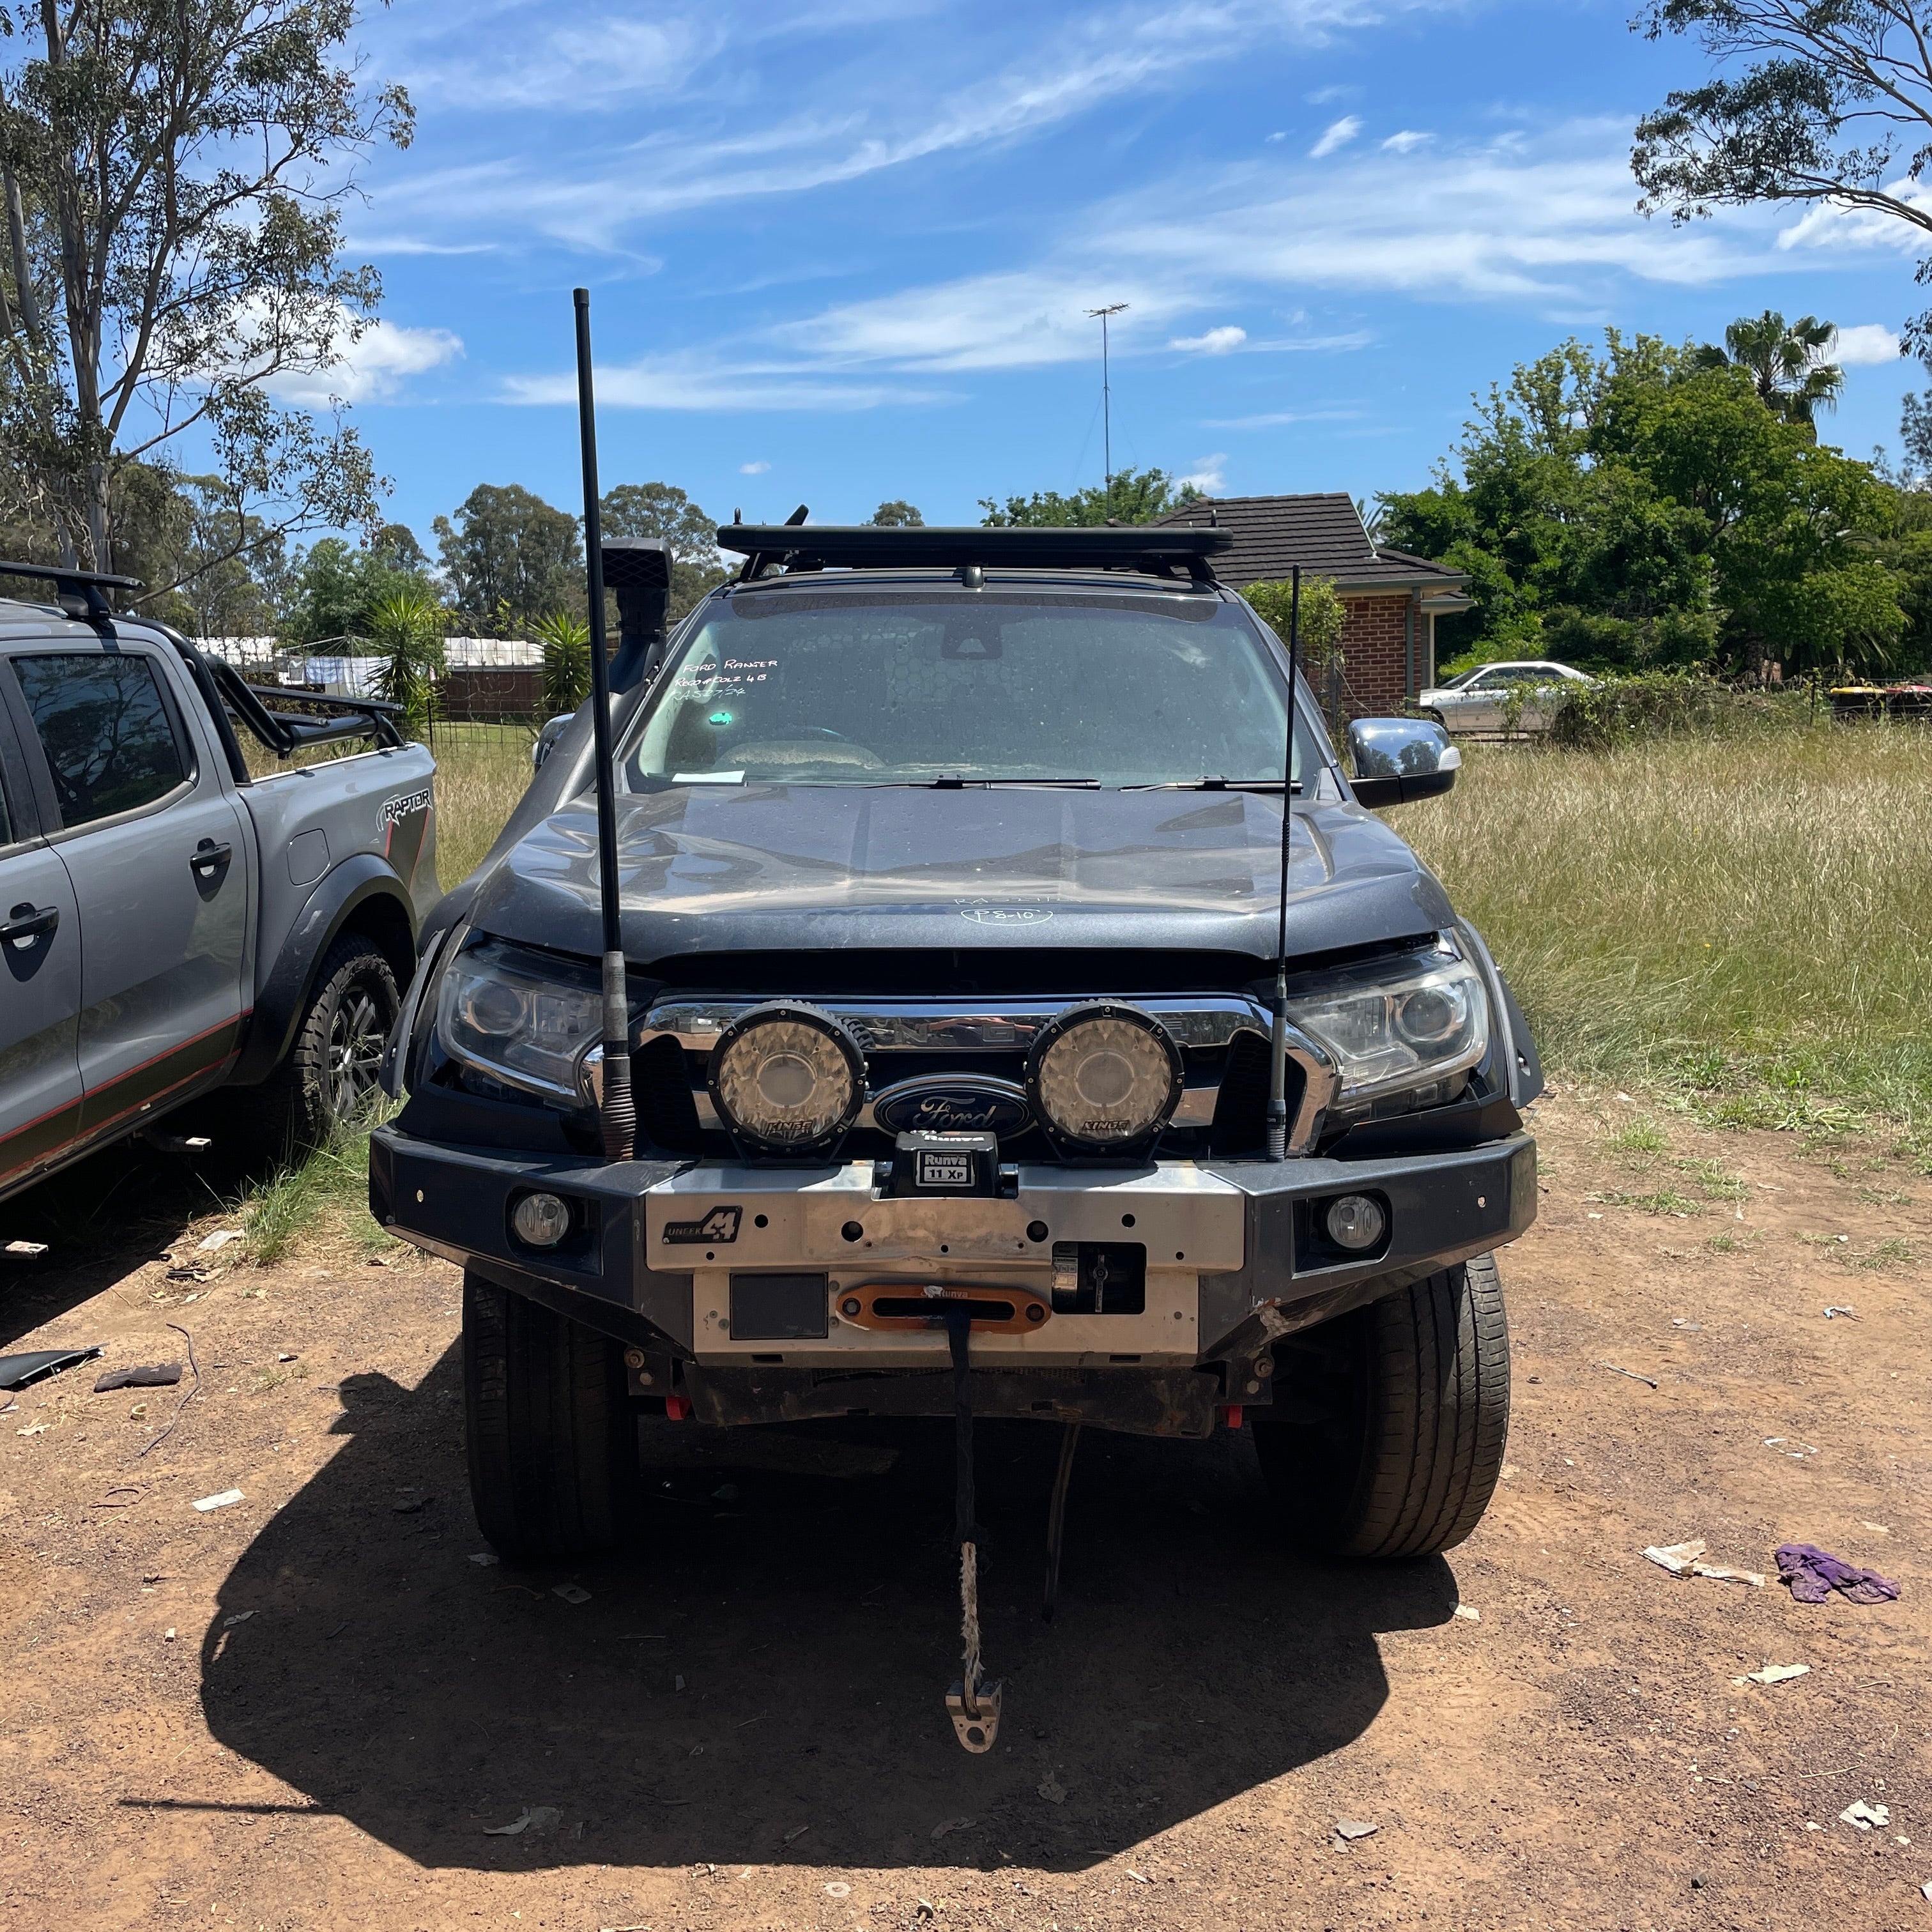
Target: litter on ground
<point x="1864" y="1817"/>
<point x="1681" y="1559"/>
<point x="571" y="1593"/>
<point x="1814" y="1573"/>
<point x="220" y="1500"/>
<point x="537" y="1820"/>
<point x="20" y="1372"/>
<point x="213" y="1244"/>
<point x="483" y="1559"/>
<point x="1774" y="1673"/>
<point x="1468" y="1613"/>
<point x="1354" y="1828"/>
<point x="1648" y="1381"/>
<point x="150" y="1375"/>
<point x="1846" y="1312"/>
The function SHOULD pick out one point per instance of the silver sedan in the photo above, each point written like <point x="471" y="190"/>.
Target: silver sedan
<point x="1480" y="700"/>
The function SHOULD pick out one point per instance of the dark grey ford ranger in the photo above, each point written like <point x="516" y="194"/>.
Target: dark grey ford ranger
<point x="951" y="867"/>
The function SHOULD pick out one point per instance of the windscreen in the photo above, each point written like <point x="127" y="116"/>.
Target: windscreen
<point x="872" y="687"/>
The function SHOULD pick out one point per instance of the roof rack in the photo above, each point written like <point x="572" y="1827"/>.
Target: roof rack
<point x="1158" y="550"/>
<point x="88" y="587"/>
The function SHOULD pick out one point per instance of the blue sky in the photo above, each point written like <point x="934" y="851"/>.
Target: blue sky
<point x="839" y="251"/>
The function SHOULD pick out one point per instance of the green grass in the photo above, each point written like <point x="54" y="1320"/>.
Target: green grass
<point x="1746" y="922"/>
<point x="328" y="1192"/>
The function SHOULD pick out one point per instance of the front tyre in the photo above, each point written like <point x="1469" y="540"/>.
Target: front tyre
<point x="1389" y="1424"/>
<point x="328" y="1080"/>
<point x="552" y="1442"/>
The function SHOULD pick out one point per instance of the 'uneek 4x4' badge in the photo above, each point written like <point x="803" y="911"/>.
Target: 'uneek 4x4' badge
<point x="720" y="1225"/>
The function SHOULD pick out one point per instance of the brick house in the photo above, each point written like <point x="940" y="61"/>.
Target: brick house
<point x="1388" y="644"/>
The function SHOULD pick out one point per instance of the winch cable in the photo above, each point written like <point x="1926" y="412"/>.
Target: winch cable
<point x="972" y="1704"/>
<point x="1056" y="1518"/>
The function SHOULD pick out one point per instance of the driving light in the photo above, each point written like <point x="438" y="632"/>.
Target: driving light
<point x="522" y="1016"/>
<point x="1355" y="1223"/>
<point x="540" y="1220"/>
<point x="786" y="1078"/>
<point x="1393" y="1024"/>
<point x="1103" y="1078"/>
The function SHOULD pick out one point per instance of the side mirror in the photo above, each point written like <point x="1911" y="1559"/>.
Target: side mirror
<point x="1398" y="759"/>
<point x="547" y="739"/>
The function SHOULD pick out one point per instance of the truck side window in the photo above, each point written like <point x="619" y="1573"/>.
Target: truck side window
<point x="105" y="729"/>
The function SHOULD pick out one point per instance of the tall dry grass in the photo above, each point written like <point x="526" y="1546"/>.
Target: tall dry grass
<point x="1755" y="909"/>
<point x="481" y="771"/>
<point x="1744" y="913"/>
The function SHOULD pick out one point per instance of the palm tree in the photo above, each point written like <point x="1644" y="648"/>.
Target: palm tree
<point x="566" y="661"/>
<point x="1787" y="361"/>
<point x="406" y="626"/>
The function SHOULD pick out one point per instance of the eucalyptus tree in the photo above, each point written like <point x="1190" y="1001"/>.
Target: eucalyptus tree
<point x="1826" y="103"/>
<point x="174" y="177"/>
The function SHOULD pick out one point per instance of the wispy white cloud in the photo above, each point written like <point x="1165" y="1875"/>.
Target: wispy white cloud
<point x="1220" y="341"/>
<point x="696" y="383"/>
<point x="1280" y="136"/>
<point x="1865" y="342"/>
<point x="1208" y="476"/>
<point x="856" y="121"/>
<point x="1337" y="134"/>
<point x="1322" y="96"/>
<point x="1832" y="225"/>
<point x="372" y="370"/>
<point x="1022" y="319"/>
<point x="1407" y="138"/>
<point x="1280" y="418"/>
<point x="758" y="469"/>
<point x="589" y="63"/>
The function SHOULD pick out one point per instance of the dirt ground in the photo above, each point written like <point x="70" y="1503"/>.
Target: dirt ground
<point x="309" y="1708"/>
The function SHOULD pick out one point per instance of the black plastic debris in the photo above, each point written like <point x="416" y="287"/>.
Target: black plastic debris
<point x="152" y="1375"/>
<point x="20" y="1372"/>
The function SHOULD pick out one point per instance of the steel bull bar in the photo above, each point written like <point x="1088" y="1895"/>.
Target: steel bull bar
<point x="685" y="1263"/>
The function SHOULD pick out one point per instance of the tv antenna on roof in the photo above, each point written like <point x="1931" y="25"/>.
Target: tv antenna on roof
<point x="1106" y="390"/>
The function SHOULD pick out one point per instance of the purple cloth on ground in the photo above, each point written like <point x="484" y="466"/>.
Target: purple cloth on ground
<point x="1814" y="1573"/>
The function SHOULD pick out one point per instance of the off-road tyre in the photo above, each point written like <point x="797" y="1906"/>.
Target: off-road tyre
<point x="328" y="1077"/>
<point x="1406" y="1409"/>
<point x="553" y="1443"/>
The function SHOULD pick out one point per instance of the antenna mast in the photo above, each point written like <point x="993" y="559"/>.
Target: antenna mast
<point x="1277" y="1102"/>
<point x="1106" y="391"/>
<point x="616" y="1110"/>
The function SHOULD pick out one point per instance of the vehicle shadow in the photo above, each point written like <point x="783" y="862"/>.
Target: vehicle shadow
<point x="762" y="1680"/>
<point x="99" y="1219"/>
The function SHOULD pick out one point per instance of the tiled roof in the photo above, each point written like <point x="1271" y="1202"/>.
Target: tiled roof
<point x="1321" y="531"/>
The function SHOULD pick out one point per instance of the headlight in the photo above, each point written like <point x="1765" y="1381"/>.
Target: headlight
<point x="786" y="1078"/>
<point x="1396" y="1024"/>
<point x="1104" y="1078"/>
<point x="527" y="1018"/>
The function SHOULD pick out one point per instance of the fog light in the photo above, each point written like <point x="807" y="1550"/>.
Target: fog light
<point x="542" y="1220"/>
<point x="1355" y="1222"/>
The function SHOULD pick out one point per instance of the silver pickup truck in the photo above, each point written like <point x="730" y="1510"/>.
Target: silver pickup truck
<point x="960" y="912"/>
<point x="172" y="920"/>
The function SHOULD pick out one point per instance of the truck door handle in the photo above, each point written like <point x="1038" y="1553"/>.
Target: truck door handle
<point x="208" y="855"/>
<point x="27" y="923"/>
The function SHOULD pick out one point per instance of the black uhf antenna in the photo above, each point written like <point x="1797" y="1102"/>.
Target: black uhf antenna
<point x="1277" y="1102"/>
<point x="617" y="1112"/>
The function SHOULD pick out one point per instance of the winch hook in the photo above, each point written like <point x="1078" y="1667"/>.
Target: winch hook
<point x="972" y="1703"/>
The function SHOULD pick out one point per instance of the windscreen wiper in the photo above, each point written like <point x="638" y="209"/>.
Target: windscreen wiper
<point x="958" y="782"/>
<point x="1219" y="784"/>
